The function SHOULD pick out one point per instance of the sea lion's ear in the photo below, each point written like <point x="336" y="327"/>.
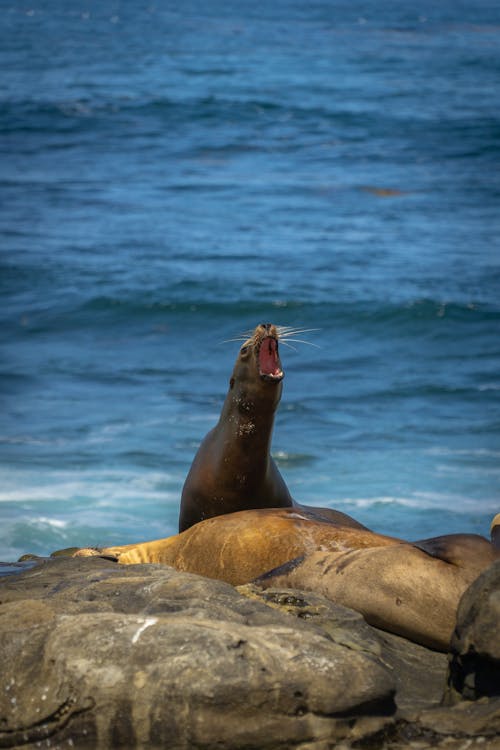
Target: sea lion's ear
<point x="231" y="383"/>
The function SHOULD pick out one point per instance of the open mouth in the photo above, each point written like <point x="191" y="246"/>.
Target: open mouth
<point x="269" y="361"/>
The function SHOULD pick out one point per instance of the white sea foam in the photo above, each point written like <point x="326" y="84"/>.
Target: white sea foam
<point x="426" y="501"/>
<point x="56" y="523"/>
<point x="106" y="433"/>
<point x="475" y="452"/>
<point x="29" y="440"/>
<point x="475" y="471"/>
<point x="96" y="486"/>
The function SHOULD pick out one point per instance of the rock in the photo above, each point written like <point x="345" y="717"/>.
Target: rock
<point x="418" y="673"/>
<point x="466" y="726"/>
<point x="99" y="655"/>
<point x="104" y="656"/>
<point x="475" y="720"/>
<point x="474" y="669"/>
<point x="469" y="716"/>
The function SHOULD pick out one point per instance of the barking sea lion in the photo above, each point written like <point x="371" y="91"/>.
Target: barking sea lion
<point x="233" y="469"/>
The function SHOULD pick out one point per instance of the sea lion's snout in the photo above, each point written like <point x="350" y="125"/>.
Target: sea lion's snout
<point x="269" y="360"/>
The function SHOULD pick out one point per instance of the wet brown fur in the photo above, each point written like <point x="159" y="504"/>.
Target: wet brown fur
<point x="233" y="469"/>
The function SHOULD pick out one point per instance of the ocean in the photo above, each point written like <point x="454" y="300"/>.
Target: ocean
<point x="173" y="174"/>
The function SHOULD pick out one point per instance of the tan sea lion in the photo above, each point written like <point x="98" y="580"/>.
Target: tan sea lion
<point x="233" y="469"/>
<point x="238" y="547"/>
<point x="398" y="588"/>
<point x="396" y="585"/>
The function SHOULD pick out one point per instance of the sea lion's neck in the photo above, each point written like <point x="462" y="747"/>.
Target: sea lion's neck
<point x="247" y="417"/>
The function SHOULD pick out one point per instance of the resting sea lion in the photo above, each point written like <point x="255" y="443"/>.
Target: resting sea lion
<point x="233" y="469"/>
<point x="394" y="584"/>
<point x="238" y="547"/>
<point x="398" y="588"/>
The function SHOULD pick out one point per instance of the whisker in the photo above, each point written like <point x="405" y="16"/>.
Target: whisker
<point x="284" y="336"/>
<point x="238" y="338"/>
<point x="301" y="341"/>
<point x="295" y="331"/>
<point x="285" y="343"/>
<point x="286" y="329"/>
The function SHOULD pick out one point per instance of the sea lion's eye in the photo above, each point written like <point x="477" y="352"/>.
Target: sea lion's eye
<point x="243" y="349"/>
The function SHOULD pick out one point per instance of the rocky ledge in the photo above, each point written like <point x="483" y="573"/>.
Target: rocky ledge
<point x="98" y="655"/>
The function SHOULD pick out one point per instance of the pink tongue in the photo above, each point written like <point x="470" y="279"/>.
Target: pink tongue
<point x="268" y="358"/>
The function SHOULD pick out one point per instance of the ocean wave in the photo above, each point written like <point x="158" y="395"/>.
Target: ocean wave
<point x="262" y="125"/>
<point x="30" y="440"/>
<point x="56" y="523"/>
<point x="463" y="452"/>
<point x="197" y="306"/>
<point x="458" y="504"/>
<point x="101" y="487"/>
<point x="34" y="114"/>
<point x="287" y="459"/>
<point x="413" y="309"/>
<point x="216" y="304"/>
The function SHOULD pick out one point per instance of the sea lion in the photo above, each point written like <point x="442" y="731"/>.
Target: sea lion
<point x="238" y="547"/>
<point x="396" y="585"/>
<point x="398" y="588"/>
<point x="233" y="469"/>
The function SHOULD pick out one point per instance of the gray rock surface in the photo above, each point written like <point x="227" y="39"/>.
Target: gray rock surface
<point x="98" y="655"/>
<point x="143" y="656"/>
<point x="475" y="646"/>
<point x="418" y="673"/>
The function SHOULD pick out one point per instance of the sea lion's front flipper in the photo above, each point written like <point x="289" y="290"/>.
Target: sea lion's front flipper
<point x="71" y="552"/>
<point x="85" y="552"/>
<point x="280" y="570"/>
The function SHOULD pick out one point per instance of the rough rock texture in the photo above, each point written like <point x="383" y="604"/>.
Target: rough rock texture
<point x="96" y="655"/>
<point x="144" y="656"/>
<point x="418" y="673"/>
<point x="471" y="704"/>
<point x="475" y="645"/>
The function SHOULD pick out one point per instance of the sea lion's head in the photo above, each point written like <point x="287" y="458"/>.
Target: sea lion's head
<point x="258" y="369"/>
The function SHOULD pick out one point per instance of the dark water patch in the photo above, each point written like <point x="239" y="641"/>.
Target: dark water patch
<point x="363" y="311"/>
<point x="10" y="569"/>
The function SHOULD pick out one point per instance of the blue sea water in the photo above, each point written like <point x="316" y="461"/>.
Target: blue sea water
<point x="173" y="174"/>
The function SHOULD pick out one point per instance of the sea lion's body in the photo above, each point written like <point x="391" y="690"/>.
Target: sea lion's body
<point x="239" y="547"/>
<point x="396" y="585"/>
<point x="233" y="469"/>
<point x="398" y="588"/>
